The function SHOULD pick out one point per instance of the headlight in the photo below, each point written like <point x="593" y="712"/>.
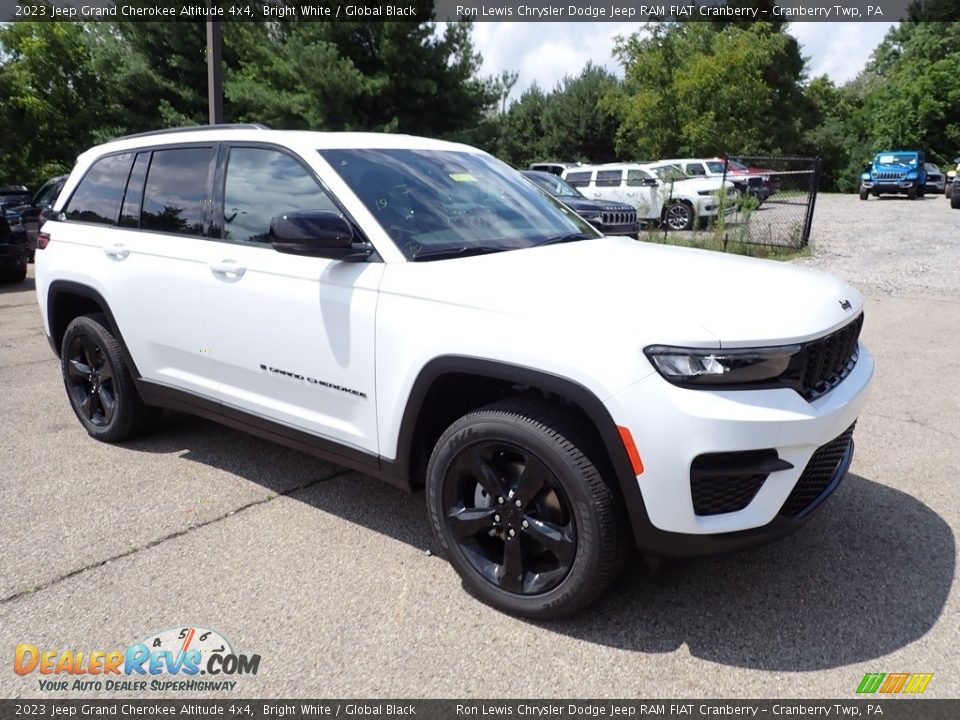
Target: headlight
<point x="704" y="367"/>
<point x="912" y="175"/>
<point x="591" y="215"/>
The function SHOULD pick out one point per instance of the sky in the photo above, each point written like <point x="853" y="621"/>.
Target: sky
<point x="545" y="52"/>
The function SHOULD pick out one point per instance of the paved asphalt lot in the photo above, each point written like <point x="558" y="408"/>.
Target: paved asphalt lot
<point x="333" y="579"/>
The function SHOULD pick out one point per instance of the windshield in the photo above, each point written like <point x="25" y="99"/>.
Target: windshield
<point x="896" y="159"/>
<point x="554" y="185"/>
<point x="431" y="201"/>
<point x="669" y="173"/>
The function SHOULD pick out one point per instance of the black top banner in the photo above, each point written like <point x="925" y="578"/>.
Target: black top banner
<point x="888" y="709"/>
<point x="452" y="10"/>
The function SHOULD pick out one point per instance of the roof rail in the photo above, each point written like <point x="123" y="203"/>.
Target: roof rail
<point x="195" y="128"/>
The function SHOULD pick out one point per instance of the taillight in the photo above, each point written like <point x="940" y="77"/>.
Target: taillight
<point x="43" y="238"/>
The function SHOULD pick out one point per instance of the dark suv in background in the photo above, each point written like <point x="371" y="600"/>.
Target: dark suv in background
<point x="30" y="209"/>
<point x="610" y="218"/>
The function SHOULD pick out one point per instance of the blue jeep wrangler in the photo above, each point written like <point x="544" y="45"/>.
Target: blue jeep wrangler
<point x="895" y="171"/>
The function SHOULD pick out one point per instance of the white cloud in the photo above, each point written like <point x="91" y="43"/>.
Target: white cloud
<point x="545" y="52"/>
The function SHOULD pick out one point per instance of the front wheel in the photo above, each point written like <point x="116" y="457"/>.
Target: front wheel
<point x="522" y="512"/>
<point x="864" y="193"/>
<point x="14" y="273"/>
<point x="678" y="216"/>
<point x="912" y="193"/>
<point x="955" y="199"/>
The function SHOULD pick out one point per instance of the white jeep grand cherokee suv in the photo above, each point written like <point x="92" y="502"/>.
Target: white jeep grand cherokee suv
<point x="417" y="310"/>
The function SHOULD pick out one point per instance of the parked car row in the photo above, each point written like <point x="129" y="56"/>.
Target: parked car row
<point x="19" y="223"/>
<point x="677" y="193"/>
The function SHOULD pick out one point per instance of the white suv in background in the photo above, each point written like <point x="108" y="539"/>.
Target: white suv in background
<point x="661" y="192"/>
<point x="419" y="311"/>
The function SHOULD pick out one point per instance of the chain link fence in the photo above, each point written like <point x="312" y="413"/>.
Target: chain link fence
<point x="768" y="203"/>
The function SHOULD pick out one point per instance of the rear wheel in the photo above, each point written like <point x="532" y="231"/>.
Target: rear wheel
<point x="523" y="514"/>
<point x="99" y="383"/>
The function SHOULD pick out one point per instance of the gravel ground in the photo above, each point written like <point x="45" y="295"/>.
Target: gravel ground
<point x="889" y="245"/>
<point x="326" y="574"/>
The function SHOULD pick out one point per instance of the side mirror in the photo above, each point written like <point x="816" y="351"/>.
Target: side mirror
<point x="316" y="233"/>
<point x="650" y="182"/>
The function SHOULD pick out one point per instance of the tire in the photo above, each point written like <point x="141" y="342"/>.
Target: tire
<point x="99" y="384"/>
<point x="511" y="486"/>
<point x="678" y="216"/>
<point x="864" y="193"/>
<point x="912" y="193"/>
<point x="922" y="191"/>
<point x="14" y="273"/>
<point x="955" y="199"/>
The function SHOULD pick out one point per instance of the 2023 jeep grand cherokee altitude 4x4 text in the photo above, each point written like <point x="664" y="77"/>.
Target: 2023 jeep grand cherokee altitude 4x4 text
<point x="417" y="310"/>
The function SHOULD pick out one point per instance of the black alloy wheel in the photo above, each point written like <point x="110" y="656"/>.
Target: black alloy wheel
<point x="510" y="518"/>
<point x="90" y="381"/>
<point x="99" y="383"/>
<point x="521" y="510"/>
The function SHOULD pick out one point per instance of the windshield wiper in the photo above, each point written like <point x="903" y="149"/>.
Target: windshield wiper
<point x="459" y="251"/>
<point x="569" y="237"/>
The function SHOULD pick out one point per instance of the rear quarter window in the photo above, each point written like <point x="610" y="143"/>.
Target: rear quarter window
<point x="578" y="179"/>
<point x="98" y="196"/>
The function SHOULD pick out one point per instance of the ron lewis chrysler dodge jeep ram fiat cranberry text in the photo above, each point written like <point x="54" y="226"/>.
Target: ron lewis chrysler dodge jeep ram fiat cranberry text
<point x="419" y="311"/>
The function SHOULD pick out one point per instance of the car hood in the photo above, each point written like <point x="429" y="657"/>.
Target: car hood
<point x="585" y="205"/>
<point x="658" y="293"/>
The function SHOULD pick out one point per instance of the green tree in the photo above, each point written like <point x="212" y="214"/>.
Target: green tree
<point x="50" y="96"/>
<point x="703" y="88"/>
<point x="575" y="124"/>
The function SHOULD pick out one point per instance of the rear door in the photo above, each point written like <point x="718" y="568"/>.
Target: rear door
<point x="291" y="338"/>
<point x="140" y="218"/>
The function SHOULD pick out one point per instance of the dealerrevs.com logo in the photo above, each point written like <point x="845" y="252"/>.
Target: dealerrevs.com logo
<point x="187" y="658"/>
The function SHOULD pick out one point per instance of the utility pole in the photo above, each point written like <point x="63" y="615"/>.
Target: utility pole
<point x="215" y="70"/>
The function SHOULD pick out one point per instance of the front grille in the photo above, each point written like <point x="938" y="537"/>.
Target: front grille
<point x="727" y="482"/>
<point x="619" y="218"/>
<point x="830" y="359"/>
<point x="888" y="175"/>
<point x="819" y="475"/>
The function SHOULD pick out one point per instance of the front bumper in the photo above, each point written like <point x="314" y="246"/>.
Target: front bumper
<point x="673" y="426"/>
<point x="889" y="186"/>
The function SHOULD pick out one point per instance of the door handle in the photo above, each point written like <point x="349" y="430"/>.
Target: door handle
<point x="116" y="251"/>
<point x="229" y="269"/>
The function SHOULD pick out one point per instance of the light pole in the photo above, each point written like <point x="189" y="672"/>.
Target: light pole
<point x="215" y="71"/>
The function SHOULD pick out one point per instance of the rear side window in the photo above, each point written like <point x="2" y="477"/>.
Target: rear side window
<point x="694" y="169"/>
<point x="98" y="196"/>
<point x="609" y="178"/>
<point x="578" y="179"/>
<point x="175" y="189"/>
<point x="262" y="183"/>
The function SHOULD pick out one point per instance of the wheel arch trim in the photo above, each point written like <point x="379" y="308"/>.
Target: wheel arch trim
<point x="581" y="396"/>
<point x="61" y="287"/>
